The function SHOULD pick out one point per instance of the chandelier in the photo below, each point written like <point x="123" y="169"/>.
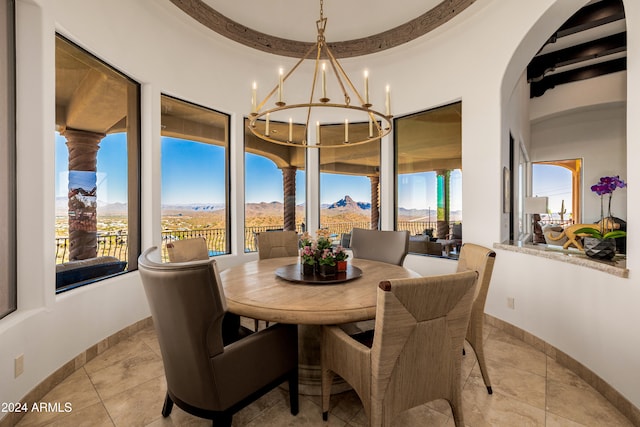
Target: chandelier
<point x="270" y="124"/>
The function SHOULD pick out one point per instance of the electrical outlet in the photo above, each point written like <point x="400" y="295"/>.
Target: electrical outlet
<point x="511" y="303"/>
<point x="18" y="365"/>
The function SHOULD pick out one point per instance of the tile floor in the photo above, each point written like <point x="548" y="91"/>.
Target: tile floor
<point x="125" y="386"/>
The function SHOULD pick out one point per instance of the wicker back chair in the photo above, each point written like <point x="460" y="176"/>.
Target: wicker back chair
<point x="415" y="353"/>
<point x="385" y="246"/>
<point x="276" y="244"/>
<point x="480" y="259"/>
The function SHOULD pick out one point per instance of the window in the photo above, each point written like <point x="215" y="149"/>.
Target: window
<point x="349" y="180"/>
<point x="8" y="291"/>
<point x="97" y="169"/>
<point x="274" y="184"/>
<point x="429" y="179"/>
<point x="195" y="174"/>
<point x="559" y="181"/>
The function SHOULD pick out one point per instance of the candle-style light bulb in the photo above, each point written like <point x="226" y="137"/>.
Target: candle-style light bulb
<point x="388" y="102"/>
<point x="366" y="86"/>
<point x="290" y="129"/>
<point x="324" y="80"/>
<point x="317" y="133"/>
<point x="266" y="127"/>
<point x="254" y="96"/>
<point x="370" y="127"/>
<point x="346" y="130"/>
<point x="280" y="85"/>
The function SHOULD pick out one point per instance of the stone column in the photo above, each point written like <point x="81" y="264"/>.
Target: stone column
<point x="375" y="201"/>
<point x="289" y="185"/>
<point x="442" y="219"/>
<point x="83" y="150"/>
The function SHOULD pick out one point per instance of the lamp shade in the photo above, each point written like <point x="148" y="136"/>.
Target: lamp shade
<point x="535" y="205"/>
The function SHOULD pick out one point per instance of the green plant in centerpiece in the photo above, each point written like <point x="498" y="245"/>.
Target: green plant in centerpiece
<point x="606" y="186"/>
<point x="308" y="254"/>
<point x="327" y="257"/>
<point x="306" y="239"/>
<point x="323" y="243"/>
<point x="340" y="253"/>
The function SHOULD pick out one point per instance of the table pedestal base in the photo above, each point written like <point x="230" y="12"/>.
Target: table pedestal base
<point x="310" y="378"/>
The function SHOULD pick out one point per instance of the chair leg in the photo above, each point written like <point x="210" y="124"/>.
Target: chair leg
<point x="479" y="350"/>
<point x="456" y="409"/>
<point x="167" y="407"/>
<point x="327" y="381"/>
<point x="223" y="419"/>
<point x="293" y="392"/>
<point x="256" y="324"/>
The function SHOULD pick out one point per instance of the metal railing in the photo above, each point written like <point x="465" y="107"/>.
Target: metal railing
<point x="109" y="244"/>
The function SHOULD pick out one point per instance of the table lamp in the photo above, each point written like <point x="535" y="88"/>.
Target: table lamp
<point x="535" y="206"/>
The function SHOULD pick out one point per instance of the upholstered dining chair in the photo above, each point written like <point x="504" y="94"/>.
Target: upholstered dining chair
<point x="276" y="244"/>
<point x="415" y="353"/>
<point x="385" y="246"/>
<point x="208" y="376"/>
<point x="478" y="258"/>
<point x="193" y="249"/>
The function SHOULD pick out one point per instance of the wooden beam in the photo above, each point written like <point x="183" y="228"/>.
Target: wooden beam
<point x="542" y="64"/>
<point x="540" y="87"/>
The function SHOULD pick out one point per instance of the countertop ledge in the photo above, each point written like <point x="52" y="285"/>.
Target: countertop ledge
<point x="617" y="267"/>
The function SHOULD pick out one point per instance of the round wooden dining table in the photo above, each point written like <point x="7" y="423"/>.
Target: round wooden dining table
<point x="254" y="290"/>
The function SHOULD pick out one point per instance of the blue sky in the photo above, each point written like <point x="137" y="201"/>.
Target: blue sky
<point x="418" y="190"/>
<point x="191" y="172"/>
<point x="555" y="183"/>
<point x="112" y="168"/>
<point x="189" y="175"/>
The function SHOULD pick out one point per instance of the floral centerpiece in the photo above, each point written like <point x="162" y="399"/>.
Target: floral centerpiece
<point x="327" y="262"/>
<point x="341" y="258"/>
<point x="600" y="242"/>
<point x="307" y="254"/>
<point x="318" y="253"/>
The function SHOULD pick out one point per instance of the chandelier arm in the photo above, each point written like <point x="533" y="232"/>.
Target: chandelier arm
<point x="275" y="89"/>
<point x="336" y="72"/>
<point x="346" y="77"/>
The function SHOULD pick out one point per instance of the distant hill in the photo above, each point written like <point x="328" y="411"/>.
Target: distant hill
<point x="349" y="204"/>
<point x="345" y="205"/>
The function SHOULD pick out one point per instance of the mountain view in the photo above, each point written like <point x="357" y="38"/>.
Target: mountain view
<point x="212" y="215"/>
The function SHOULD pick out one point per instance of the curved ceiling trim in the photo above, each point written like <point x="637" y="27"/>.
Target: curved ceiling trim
<point x="404" y="33"/>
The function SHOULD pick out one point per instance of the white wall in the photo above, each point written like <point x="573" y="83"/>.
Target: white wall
<point x="589" y="315"/>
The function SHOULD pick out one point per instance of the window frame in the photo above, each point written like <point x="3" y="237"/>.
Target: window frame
<point x="396" y="175"/>
<point x="134" y="172"/>
<point x="227" y="166"/>
<point x="8" y="192"/>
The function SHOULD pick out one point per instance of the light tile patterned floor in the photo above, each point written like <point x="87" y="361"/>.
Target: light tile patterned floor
<point x="125" y="386"/>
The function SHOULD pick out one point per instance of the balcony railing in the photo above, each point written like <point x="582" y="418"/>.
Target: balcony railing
<point x="109" y="244"/>
<point x="116" y="244"/>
